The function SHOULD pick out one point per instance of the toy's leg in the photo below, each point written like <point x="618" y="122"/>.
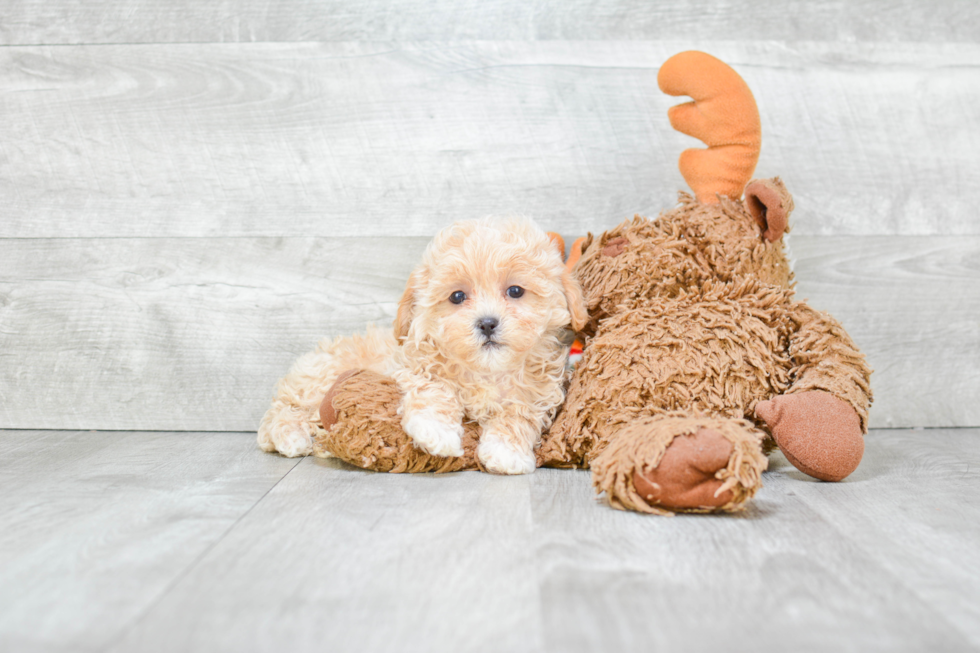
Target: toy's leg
<point x="820" y="420"/>
<point x="825" y="358"/>
<point x="681" y="464"/>
<point x="359" y="423"/>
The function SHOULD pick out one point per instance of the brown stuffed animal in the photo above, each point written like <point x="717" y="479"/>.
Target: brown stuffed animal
<point x="697" y="359"/>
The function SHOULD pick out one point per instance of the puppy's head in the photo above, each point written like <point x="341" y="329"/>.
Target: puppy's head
<point x="488" y="292"/>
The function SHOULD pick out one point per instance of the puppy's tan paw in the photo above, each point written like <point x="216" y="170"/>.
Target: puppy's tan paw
<point x="434" y="435"/>
<point x="501" y="458"/>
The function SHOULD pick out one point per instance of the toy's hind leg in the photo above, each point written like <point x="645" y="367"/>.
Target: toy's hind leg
<point x="681" y="463"/>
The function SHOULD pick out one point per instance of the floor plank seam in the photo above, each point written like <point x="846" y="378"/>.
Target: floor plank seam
<point x="201" y="556"/>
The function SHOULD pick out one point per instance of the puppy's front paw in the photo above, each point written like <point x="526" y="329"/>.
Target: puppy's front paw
<point x="501" y="458"/>
<point x="434" y="435"/>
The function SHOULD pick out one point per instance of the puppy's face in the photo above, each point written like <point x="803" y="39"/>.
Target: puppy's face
<point x="488" y="292"/>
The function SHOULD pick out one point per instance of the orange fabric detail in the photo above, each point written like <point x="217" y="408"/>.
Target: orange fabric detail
<point x="576" y="253"/>
<point x="723" y="115"/>
<point x="559" y="243"/>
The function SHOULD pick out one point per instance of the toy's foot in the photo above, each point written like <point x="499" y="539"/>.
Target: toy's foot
<point x="819" y="433"/>
<point x="361" y="426"/>
<point x="687" y="474"/>
<point x="328" y="415"/>
<point x="681" y="464"/>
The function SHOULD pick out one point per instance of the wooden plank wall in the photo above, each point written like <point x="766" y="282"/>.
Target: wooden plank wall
<point x="194" y="193"/>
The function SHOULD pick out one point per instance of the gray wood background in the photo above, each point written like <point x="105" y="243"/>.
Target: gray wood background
<point x="194" y="193"/>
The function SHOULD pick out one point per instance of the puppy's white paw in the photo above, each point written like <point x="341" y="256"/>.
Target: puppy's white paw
<point x="434" y="435"/>
<point x="292" y="441"/>
<point x="501" y="458"/>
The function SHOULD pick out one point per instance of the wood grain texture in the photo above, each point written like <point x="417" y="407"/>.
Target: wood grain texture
<point x="142" y="21"/>
<point x="95" y="527"/>
<point x="932" y="511"/>
<point x="809" y="566"/>
<point x="173" y="333"/>
<point x="346" y="139"/>
<point x="341" y="559"/>
<point x="912" y="306"/>
<point x="192" y="334"/>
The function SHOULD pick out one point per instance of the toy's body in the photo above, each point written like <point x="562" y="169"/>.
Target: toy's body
<point x="693" y="326"/>
<point x="696" y="350"/>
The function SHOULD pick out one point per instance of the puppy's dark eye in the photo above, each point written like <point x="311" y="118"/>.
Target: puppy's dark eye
<point x="458" y="297"/>
<point x="514" y="292"/>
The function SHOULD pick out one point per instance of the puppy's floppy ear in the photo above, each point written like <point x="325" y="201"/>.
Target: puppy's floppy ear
<point x="575" y="300"/>
<point x="406" y="305"/>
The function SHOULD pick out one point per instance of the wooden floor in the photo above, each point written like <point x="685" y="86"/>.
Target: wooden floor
<point x="160" y="541"/>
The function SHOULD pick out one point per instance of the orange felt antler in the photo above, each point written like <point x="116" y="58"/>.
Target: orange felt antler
<point x="574" y="255"/>
<point x="723" y="115"/>
<point x="558" y="242"/>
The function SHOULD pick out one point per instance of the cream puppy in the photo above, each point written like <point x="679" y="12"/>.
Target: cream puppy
<point x="478" y="336"/>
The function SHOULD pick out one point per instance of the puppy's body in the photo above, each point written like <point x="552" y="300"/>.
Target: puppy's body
<point x="477" y="336"/>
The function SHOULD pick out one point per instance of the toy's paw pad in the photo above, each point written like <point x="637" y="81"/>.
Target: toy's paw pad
<point x="501" y="458"/>
<point x="328" y="416"/>
<point x="434" y="435"/>
<point x="685" y="477"/>
<point x="819" y="433"/>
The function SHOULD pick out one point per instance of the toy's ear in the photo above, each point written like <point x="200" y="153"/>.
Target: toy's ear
<point x="575" y="300"/>
<point x="406" y="305"/>
<point x="770" y="204"/>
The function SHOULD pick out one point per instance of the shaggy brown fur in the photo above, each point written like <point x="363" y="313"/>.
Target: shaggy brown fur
<point x="365" y="430"/>
<point x="693" y="323"/>
<point x="675" y="255"/>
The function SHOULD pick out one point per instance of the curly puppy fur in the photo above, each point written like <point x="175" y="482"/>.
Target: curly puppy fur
<point x="478" y="336"/>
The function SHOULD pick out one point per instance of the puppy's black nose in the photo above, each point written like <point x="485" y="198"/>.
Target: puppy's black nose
<point x="487" y="325"/>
